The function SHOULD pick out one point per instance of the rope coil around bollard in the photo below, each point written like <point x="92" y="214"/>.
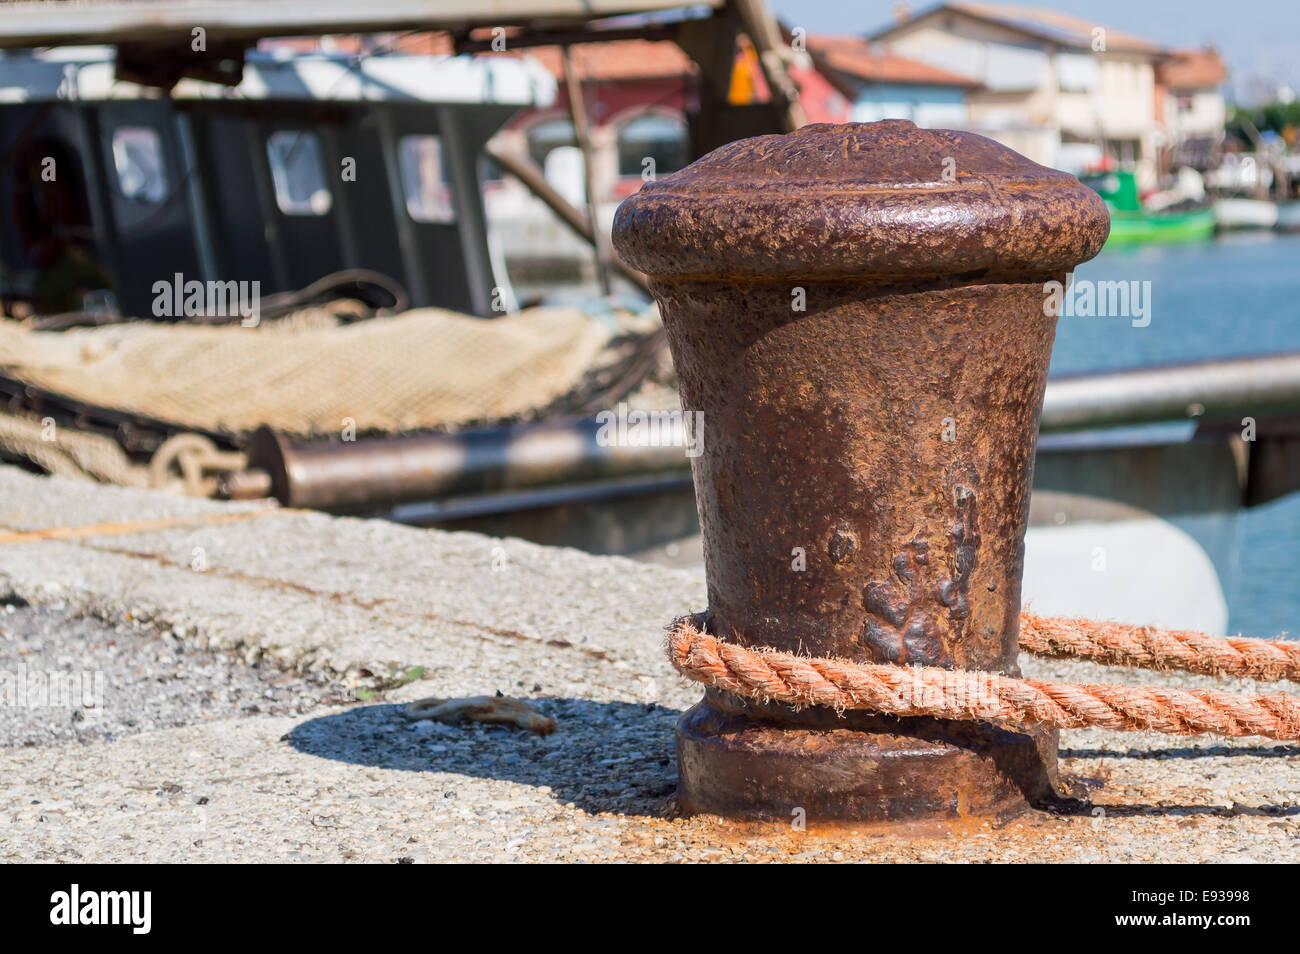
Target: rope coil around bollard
<point x="771" y="675"/>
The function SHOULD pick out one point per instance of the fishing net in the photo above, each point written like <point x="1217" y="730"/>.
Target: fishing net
<point x="68" y="452"/>
<point x="311" y="374"/>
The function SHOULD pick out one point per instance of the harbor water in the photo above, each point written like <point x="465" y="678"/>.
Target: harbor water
<point x="1237" y="295"/>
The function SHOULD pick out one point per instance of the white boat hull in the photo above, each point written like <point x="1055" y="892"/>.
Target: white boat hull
<point x="1245" y="214"/>
<point x="1139" y="571"/>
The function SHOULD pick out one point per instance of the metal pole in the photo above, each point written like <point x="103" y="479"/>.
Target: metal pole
<point x="1212" y="390"/>
<point x="371" y="474"/>
<point x="192" y="170"/>
<point x="581" y="130"/>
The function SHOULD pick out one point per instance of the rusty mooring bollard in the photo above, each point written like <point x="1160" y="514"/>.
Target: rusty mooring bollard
<point x="859" y="312"/>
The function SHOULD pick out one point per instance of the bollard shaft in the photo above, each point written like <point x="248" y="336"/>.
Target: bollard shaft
<point x="858" y="311"/>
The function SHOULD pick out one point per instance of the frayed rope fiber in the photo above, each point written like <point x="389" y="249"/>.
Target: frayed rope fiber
<point x="971" y="695"/>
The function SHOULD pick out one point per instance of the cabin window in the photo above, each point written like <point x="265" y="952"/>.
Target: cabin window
<point x="138" y="159"/>
<point x="658" y="138"/>
<point x="424" y="179"/>
<point x="298" y="172"/>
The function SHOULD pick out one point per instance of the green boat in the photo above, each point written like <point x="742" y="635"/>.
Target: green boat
<point x="1130" y="224"/>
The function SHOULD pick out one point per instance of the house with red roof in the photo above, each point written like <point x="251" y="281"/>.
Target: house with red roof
<point x="1063" y="90"/>
<point x="1190" y="106"/>
<point x="881" y="84"/>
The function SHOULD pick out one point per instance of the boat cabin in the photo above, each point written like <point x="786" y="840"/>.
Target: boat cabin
<point x="312" y="164"/>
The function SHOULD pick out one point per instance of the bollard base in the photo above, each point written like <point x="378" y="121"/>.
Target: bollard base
<point x="734" y="762"/>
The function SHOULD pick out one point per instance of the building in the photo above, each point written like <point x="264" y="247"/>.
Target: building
<point x="1190" y="107"/>
<point x="636" y="96"/>
<point x="883" y="85"/>
<point x="1060" y="89"/>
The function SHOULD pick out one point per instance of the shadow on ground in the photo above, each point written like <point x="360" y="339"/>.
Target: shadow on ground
<point x="1187" y="752"/>
<point x="619" y="757"/>
<point x="603" y="756"/>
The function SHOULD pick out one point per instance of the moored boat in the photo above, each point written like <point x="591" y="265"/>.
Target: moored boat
<point x="1245" y="213"/>
<point x="1164" y="227"/>
<point x="1131" y="223"/>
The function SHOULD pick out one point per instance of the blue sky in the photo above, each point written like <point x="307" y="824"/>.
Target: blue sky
<point x="1260" y="39"/>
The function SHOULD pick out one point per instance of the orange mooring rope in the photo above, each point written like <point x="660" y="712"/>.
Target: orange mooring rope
<point x="1145" y="647"/>
<point x="963" y="694"/>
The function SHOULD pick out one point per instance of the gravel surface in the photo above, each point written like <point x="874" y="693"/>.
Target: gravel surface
<point x="223" y="736"/>
<point x="133" y="678"/>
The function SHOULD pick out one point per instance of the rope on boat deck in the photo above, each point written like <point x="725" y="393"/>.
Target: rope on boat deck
<point x="771" y="675"/>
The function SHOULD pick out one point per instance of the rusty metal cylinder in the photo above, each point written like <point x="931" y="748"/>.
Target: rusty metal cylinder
<point x="859" y="313"/>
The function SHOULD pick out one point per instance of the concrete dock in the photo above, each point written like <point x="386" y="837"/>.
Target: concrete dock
<point x="233" y="640"/>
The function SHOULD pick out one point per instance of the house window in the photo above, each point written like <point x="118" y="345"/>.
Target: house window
<point x="1126" y="151"/>
<point x="138" y="159"/>
<point x="298" y="173"/>
<point x="424" y="179"/>
<point x="658" y="138"/>
<point x="548" y="136"/>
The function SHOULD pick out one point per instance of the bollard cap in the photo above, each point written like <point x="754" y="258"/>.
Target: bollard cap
<point x="861" y="200"/>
